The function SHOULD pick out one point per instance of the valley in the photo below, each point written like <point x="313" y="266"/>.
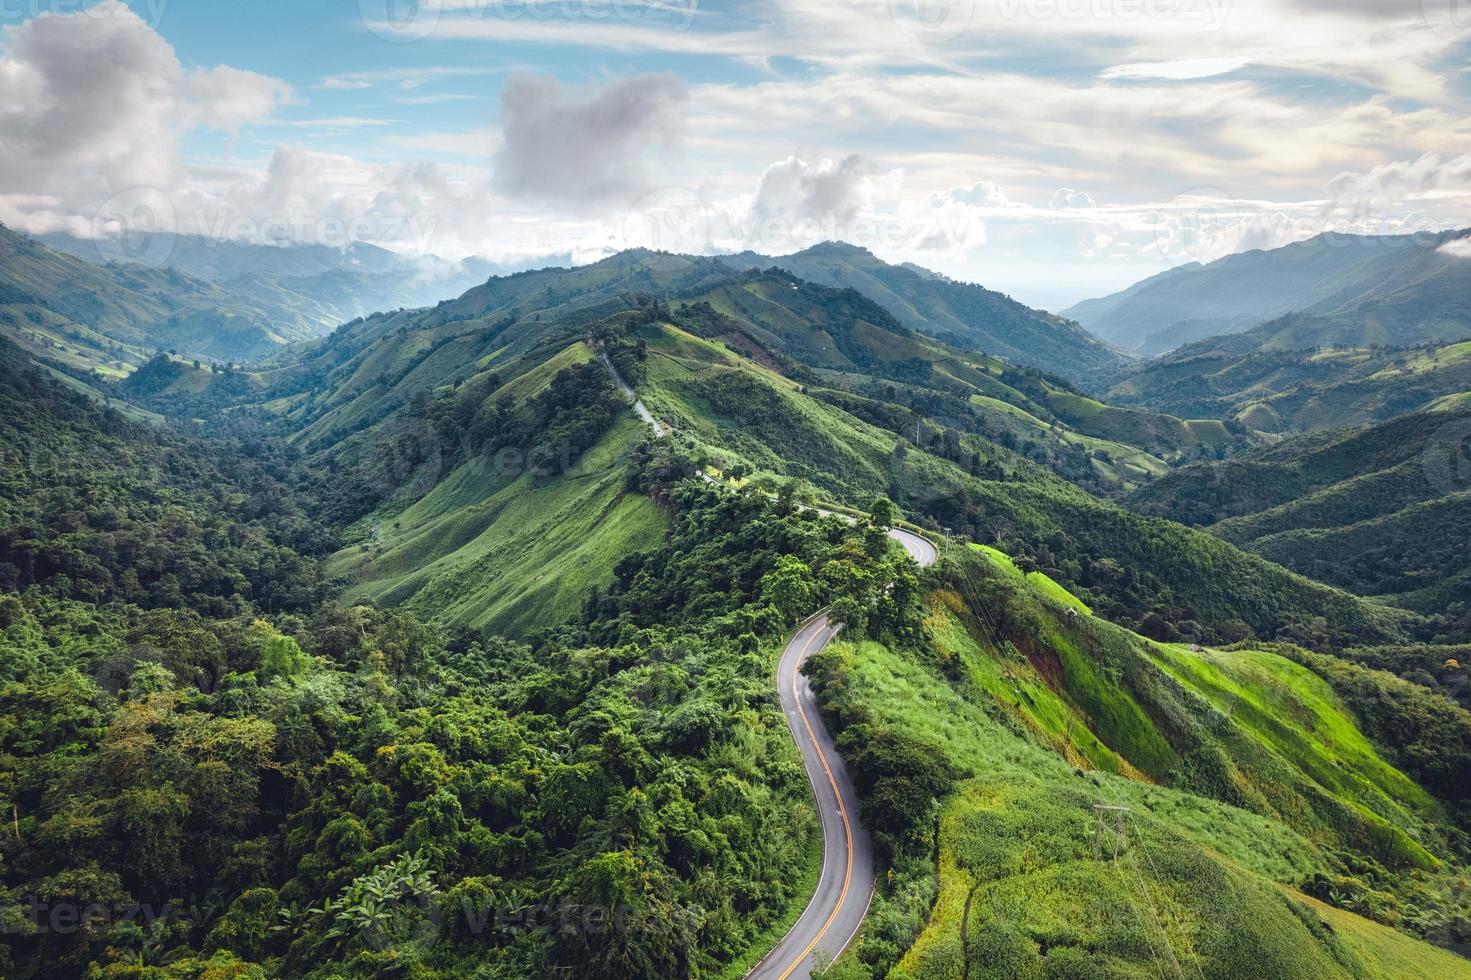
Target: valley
<point x="735" y="491"/>
<point x="1145" y="692"/>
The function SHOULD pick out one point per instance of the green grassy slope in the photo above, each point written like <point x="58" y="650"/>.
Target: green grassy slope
<point x="1244" y="779"/>
<point x="497" y="499"/>
<point x="111" y="318"/>
<point x="507" y="551"/>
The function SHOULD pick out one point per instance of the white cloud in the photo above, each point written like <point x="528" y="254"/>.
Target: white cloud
<point x="586" y="145"/>
<point x="404" y="78"/>
<point x="794" y="191"/>
<point x="1394" y="182"/>
<point x="1138" y="141"/>
<point x="439" y="99"/>
<point x="227" y="98"/>
<point x="1459" y="248"/>
<point x="982" y="194"/>
<point x="1389" y="47"/>
<point x="1067" y="197"/>
<point x="96" y="103"/>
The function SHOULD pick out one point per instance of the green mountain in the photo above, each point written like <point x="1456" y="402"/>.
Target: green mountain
<point x="1331" y="290"/>
<point x="345" y="282"/>
<point x="432" y="641"/>
<point x="961" y="313"/>
<point x="764" y="373"/>
<point x="752" y="418"/>
<point x="112" y="318"/>
<point x="1059" y="797"/>
<point x="835" y="336"/>
<point x="1297" y="391"/>
<point x="1379" y="510"/>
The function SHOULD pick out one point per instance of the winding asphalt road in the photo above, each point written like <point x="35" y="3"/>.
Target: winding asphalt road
<point x="844" y="890"/>
<point x="832" y="918"/>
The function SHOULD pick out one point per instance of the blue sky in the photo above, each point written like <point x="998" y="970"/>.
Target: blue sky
<point x="1053" y="149"/>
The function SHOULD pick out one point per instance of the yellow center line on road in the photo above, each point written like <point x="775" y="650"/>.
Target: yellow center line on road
<point x="842" y="811"/>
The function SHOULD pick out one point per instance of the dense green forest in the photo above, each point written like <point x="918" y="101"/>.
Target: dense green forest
<point x="1380" y="510"/>
<point x="96" y="507"/>
<point x="415" y="654"/>
<point x="351" y="790"/>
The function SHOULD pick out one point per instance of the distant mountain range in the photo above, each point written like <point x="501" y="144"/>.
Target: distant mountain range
<point x="242" y="301"/>
<point x="346" y="282"/>
<point x="1344" y="290"/>
<point x="111" y="318"/>
<point x="211" y="300"/>
<point x="962" y="313"/>
<point x="1300" y="391"/>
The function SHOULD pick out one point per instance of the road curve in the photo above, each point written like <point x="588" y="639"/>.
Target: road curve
<point x="844" y="890"/>
<point x="660" y="429"/>
<point x="837" y="909"/>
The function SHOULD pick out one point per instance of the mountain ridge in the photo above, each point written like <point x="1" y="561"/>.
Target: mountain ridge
<point x="113" y="317"/>
<point x="966" y="314"/>
<point x="1347" y="283"/>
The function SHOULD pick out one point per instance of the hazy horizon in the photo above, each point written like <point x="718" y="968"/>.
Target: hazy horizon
<point x="1051" y="149"/>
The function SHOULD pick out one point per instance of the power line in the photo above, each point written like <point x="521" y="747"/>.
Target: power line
<point x="1154" y="871"/>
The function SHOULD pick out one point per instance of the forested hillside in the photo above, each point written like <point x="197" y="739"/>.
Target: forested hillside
<point x="1301" y="390"/>
<point x="419" y="655"/>
<point x="100" y="508"/>
<point x="111" y="318"/>
<point x="1381" y="510"/>
<point x="965" y="314"/>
